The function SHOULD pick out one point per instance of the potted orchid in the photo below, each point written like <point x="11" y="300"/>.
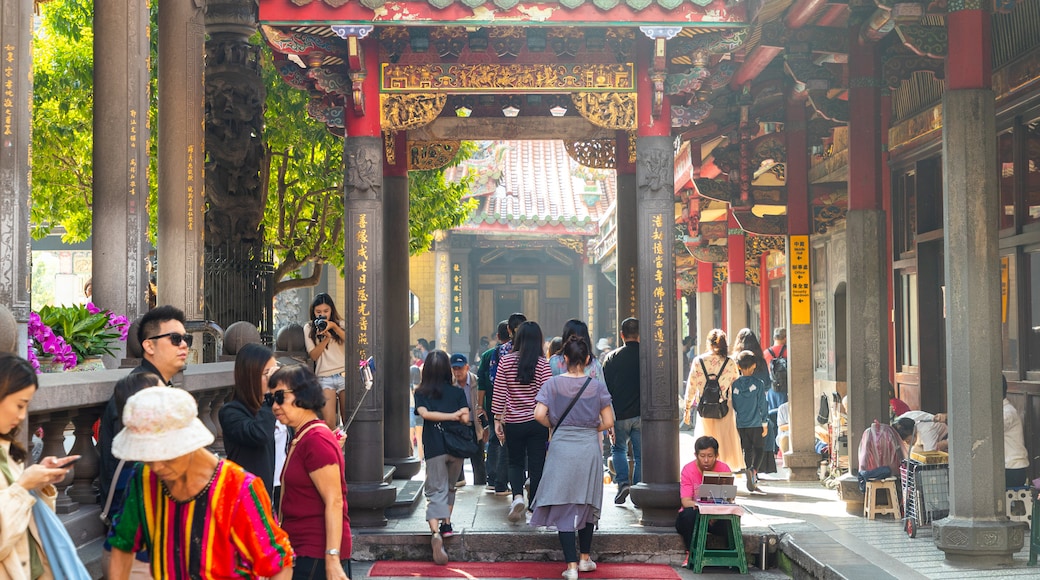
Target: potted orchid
<point x="68" y="335"/>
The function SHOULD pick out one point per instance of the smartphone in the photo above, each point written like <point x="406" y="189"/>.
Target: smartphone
<point x="70" y="462"/>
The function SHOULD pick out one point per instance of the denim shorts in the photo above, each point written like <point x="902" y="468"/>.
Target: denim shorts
<point x="334" y="382"/>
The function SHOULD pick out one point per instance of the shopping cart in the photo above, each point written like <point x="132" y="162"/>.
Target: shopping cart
<point x="926" y="493"/>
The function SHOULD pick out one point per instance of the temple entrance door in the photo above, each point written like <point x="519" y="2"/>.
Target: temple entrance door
<point x="508" y="302"/>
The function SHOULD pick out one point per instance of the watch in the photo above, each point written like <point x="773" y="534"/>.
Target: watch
<point x="332" y="552"/>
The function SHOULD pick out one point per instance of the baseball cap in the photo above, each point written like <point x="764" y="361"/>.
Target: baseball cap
<point x="459" y="360"/>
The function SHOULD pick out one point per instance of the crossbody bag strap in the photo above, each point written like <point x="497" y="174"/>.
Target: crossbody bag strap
<point x="725" y="361"/>
<point x="112" y="490"/>
<point x="288" y="456"/>
<point x="573" y="401"/>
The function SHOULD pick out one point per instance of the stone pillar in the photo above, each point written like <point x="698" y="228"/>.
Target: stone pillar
<point x="16" y="20"/>
<point x="705" y="304"/>
<point x="625" y="246"/>
<point x="976" y="532"/>
<point x="865" y="249"/>
<point x="182" y="33"/>
<point x="658" y="494"/>
<point x="736" y="289"/>
<point x="394" y="364"/>
<point x="120" y="224"/>
<point x="368" y="495"/>
<point x="802" y="461"/>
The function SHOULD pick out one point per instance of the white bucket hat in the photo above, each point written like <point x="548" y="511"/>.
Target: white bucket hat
<point x="160" y="424"/>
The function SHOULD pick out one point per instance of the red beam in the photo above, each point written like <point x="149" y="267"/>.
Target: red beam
<point x="754" y="64"/>
<point x="833" y="15"/>
<point x="803" y="12"/>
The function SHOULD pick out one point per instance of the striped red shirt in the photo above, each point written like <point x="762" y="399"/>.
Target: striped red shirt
<point x="510" y="399"/>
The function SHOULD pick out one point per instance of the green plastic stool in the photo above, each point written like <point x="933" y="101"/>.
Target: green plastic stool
<point x="1034" y="535"/>
<point x="700" y="556"/>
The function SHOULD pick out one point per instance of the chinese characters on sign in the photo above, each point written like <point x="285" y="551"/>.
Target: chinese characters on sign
<point x="590" y="305"/>
<point x="657" y="294"/>
<point x="8" y="89"/>
<point x="801" y="286"/>
<point x="456" y="298"/>
<point x="443" y="300"/>
<point x="132" y="172"/>
<point x="361" y="270"/>
<point x="190" y="186"/>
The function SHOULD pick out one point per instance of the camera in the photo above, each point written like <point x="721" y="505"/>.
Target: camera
<point x="321" y="323"/>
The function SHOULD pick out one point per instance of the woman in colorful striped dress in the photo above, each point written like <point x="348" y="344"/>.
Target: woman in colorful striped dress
<point x="199" y="516"/>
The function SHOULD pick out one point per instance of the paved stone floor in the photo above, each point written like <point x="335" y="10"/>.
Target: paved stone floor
<point x="811" y="521"/>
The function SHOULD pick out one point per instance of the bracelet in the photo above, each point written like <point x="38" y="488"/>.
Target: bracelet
<point x="332" y="552"/>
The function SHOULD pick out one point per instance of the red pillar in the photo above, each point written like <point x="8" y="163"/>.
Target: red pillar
<point x="969" y="64"/>
<point x="864" y="136"/>
<point x="886" y="202"/>
<point x="764" y="307"/>
<point x="705" y="276"/>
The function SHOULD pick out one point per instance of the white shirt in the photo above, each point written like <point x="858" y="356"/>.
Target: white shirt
<point x="929" y="431"/>
<point x="281" y="436"/>
<point x="1015" y="455"/>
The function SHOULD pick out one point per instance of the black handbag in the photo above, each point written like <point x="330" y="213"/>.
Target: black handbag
<point x="459" y="440"/>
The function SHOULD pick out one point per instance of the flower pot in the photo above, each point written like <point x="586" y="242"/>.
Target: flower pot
<point x="49" y="365"/>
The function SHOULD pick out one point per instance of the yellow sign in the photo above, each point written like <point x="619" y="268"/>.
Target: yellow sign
<point x="801" y="285"/>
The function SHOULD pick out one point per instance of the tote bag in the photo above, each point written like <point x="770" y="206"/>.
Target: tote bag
<point x="56" y="543"/>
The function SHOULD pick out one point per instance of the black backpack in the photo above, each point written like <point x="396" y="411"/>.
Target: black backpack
<point x="778" y="370"/>
<point x="712" y="405"/>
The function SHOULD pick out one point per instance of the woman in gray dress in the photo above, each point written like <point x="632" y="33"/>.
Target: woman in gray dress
<point x="571" y="491"/>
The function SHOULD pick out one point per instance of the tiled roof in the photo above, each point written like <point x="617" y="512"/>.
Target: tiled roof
<point x="535" y="186"/>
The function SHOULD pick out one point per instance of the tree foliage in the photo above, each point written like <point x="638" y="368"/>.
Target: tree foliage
<point x="304" y="216"/>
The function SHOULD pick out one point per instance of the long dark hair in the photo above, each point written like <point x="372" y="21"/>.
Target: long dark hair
<point x="16" y="374"/>
<point x="746" y="340"/>
<point x="249" y="371"/>
<point x="576" y="351"/>
<point x="575" y="327"/>
<point x="436" y="374"/>
<point x="320" y="299"/>
<point x="527" y="342"/>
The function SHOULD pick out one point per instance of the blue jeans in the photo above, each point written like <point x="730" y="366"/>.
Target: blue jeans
<point x="625" y="429"/>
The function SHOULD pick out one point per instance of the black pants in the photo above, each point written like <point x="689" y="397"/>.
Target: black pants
<point x="314" y="568"/>
<point x="686" y="525"/>
<point x="584" y="541"/>
<point x="526" y="444"/>
<point x="751" y="441"/>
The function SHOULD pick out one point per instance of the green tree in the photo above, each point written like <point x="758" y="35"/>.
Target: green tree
<point x="304" y="216"/>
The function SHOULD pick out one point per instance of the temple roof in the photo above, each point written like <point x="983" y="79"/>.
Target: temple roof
<point x="536" y="187"/>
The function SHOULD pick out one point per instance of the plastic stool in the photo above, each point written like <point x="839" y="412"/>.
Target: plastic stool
<point x="734" y="555"/>
<point x="1019" y="504"/>
<point x="871" y="507"/>
<point x="1034" y="535"/>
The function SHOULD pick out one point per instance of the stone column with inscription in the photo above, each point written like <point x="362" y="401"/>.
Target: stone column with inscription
<point x="736" y="288"/>
<point x="182" y="34"/>
<point x="459" y="339"/>
<point x="366" y="301"/>
<point x="396" y="360"/>
<point x="15" y="263"/>
<point x="442" y="293"/>
<point x="625" y="246"/>
<point x="976" y="533"/>
<point x="120" y="223"/>
<point x="658" y="494"/>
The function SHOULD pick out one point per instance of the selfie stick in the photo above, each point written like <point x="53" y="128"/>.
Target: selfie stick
<point x="366" y="366"/>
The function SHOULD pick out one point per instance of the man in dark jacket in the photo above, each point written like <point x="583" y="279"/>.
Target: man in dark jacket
<point x="621" y="373"/>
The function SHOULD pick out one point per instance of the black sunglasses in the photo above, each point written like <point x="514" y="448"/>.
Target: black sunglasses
<point x="276" y="397"/>
<point x="175" y="338"/>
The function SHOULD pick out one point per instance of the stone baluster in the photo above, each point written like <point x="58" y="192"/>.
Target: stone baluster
<point x="88" y="467"/>
<point x="222" y="396"/>
<point x="54" y="444"/>
<point x="205" y="400"/>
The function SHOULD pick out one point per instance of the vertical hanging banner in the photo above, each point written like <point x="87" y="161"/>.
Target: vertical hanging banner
<point x="456" y="299"/>
<point x="801" y="285"/>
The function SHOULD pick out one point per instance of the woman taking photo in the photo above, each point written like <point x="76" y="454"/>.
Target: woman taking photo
<point x="246" y="421"/>
<point x="323" y="337"/>
<point x="20" y="542"/>
<point x="520" y="376"/>
<point x="314" y="492"/>
<point x="437" y="401"/>
<point x="577" y="408"/>
<point x="716" y="361"/>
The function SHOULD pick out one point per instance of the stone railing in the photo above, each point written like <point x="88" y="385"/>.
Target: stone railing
<point x="67" y="405"/>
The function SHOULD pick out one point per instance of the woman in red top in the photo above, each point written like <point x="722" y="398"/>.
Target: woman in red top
<point x="520" y="376"/>
<point x="314" y="491"/>
<point x="707" y="450"/>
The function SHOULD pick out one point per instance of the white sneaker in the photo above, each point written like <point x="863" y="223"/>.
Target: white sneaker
<point x="586" y="565"/>
<point x="570" y="574"/>
<point x="516" y="509"/>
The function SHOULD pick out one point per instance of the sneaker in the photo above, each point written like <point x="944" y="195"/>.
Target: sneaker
<point x="622" y="493"/>
<point x="503" y="492"/>
<point x="440" y="557"/>
<point x="685" y="560"/>
<point x="570" y="574"/>
<point x="516" y="509"/>
<point x="586" y="565"/>
<point x="750" y="482"/>
<point x="446" y="531"/>
<point x="489" y="487"/>
<point x="460" y="483"/>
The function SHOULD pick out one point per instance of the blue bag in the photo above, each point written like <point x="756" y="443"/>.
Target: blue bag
<point x="56" y="543"/>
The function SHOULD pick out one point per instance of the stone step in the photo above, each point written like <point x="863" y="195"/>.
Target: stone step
<point x="409" y="494"/>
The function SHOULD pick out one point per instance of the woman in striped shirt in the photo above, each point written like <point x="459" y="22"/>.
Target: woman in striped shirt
<point x="519" y="378"/>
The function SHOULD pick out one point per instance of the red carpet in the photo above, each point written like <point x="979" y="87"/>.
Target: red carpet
<point x="551" y="570"/>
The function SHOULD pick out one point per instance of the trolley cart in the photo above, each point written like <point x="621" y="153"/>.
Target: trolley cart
<point x="926" y="493"/>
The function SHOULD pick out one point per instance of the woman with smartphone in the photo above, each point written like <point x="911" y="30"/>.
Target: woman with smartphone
<point x="323" y="336"/>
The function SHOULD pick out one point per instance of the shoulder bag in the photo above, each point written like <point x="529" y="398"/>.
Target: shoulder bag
<point x="459" y="440"/>
<point x="56" y="543"/>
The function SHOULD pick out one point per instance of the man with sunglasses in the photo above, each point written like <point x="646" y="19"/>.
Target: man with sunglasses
<point x="164" y="345"/>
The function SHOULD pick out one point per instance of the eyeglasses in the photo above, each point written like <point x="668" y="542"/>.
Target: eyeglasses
<point x="175" y="338"/>
<point x="277" y="397"/>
